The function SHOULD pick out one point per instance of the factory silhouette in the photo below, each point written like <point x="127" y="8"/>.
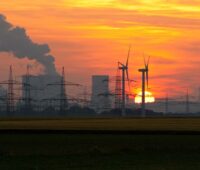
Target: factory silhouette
<point x="47" y="96"/>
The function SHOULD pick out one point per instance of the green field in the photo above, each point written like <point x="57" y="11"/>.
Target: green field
<point x="120" y="124"/>
<point x="111" y="151"/>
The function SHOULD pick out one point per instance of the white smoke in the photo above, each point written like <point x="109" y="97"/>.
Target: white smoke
<point x="16" y="41"/>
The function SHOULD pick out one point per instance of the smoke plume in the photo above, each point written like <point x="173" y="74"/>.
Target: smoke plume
<point x="16" y="41"/>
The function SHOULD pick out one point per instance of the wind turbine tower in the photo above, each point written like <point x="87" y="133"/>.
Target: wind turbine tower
<point x="145" y="79"/>
<point x="118" y="90"/>
<point x="124" y="69"/>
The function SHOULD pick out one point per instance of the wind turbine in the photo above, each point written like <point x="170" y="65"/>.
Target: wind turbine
<point x="125" y="74"/>
<point x="146" y="63"/>
<point x="145" y="79"/>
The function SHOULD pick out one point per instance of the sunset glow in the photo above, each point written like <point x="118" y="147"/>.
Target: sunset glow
<point x="149" y="98"/>
<point x="91" y="36"/>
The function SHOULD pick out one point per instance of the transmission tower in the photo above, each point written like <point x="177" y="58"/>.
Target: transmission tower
<point x="27" y="90"/>
<point x="10" y="98"/>
<point x="10" y="93"/>
<point x="63" y="96"/>
<point x="85" y="99"/>
<point x="63" y="99"/>
<point x="118" y="90"/>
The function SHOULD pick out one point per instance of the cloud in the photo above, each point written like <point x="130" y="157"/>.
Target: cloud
<point x="16" y="41"/>
<point x="181" y="2"/>
<point x="121" y="18"/>
<point x="191" y="47"/>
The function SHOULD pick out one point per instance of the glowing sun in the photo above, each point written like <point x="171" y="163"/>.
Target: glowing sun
<point x="149" y="98"/>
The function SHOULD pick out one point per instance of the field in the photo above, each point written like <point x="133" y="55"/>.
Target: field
<point x="121" y="144"/>
<point x="105" y="124"/>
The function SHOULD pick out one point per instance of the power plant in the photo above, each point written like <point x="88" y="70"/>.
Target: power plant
<point x="48" y="95"/>
<point x="100" y="101"/>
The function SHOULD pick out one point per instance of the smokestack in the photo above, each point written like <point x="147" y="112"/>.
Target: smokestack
<point x="15" y="40"/>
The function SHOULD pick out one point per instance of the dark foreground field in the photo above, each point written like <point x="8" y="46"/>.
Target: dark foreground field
<point x="99" y="152"/>
<point x="100" y="144"/>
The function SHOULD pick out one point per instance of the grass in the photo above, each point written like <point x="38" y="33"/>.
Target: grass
<point x="100" y="152"/>
<point x="121" y="124"/>
<point x="78" y="151"/>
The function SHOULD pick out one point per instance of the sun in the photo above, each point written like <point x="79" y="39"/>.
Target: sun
<point x="149" y="98"/>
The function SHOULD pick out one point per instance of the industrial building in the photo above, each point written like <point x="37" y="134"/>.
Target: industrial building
<point x="100" y="99"/>
<point x="42" y="89"/>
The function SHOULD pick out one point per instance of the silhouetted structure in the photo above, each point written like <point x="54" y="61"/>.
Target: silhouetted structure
<point x="125" y="74"/>
<point x="27" y="90"/>
<point x="100" y="100"/>
<point x="10" y="97"/>
<point x="10" y="94"/>
<point x="35" y="90"/>
<point x="118" y="90"/>
<point x="145" y="79"/>
<point x="85" y="101"/>
<point x="62" y="99"/>
<point x="63" y="96"/>
<point x="53" y="98"/>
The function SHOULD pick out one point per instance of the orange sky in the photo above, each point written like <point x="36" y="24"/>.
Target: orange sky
<point x="90" y="36"/>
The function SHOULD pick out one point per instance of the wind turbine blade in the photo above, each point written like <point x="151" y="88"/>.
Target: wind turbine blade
<point x="147" y="78"/>
<point x="127" y="61"/>
<point x="119" y="63"/>
<point x="129" y="85"/>
<point x="147" y="71"/>
<point x="148" y="60"/>
<point x="145" y="64"/>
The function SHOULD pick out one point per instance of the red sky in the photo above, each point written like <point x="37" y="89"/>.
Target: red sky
<point x="91" y="36"/>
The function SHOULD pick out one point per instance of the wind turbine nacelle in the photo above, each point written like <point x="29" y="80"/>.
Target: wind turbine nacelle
<point x="123" y="68"/>
<point x="142" y="70"/>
